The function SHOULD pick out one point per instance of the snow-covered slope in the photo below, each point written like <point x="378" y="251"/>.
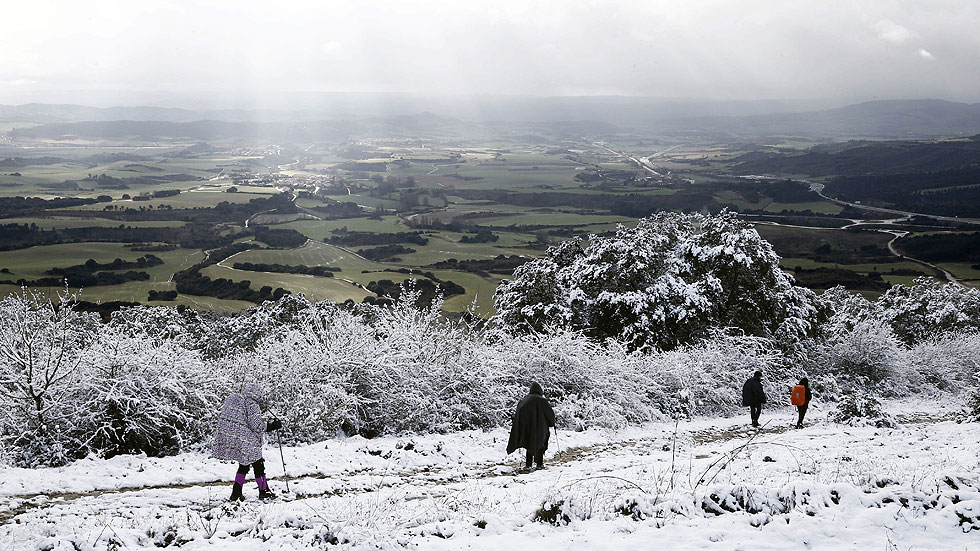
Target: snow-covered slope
<point x="701" y="484"/>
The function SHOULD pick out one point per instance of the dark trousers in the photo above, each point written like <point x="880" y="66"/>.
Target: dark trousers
<point x="536" y="457"/>
<point x="755" y="412"/>
<point x="259" y="468"/>
<point x="802" y="410"/>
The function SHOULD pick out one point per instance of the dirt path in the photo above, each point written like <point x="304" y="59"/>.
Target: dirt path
<point x="434" y="476"/>
<point x="431" y="476"/>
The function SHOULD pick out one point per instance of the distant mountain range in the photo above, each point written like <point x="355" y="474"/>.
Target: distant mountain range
<point x="899" y="119"/>
<point x="890" y="119"/>
<point x="855" y="158"/>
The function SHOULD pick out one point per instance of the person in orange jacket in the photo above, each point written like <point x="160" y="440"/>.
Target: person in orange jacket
<point x="801" y="399"/>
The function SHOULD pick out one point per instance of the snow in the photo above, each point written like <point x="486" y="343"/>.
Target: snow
<point x="826" y="486"/>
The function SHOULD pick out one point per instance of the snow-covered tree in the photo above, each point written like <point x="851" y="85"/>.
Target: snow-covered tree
<point x="668" y="281"/>
<point x="41" y="349"/>
<point x="928" y="308"/>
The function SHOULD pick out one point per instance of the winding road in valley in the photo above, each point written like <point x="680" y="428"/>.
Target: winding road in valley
<point x="818" y="189"/>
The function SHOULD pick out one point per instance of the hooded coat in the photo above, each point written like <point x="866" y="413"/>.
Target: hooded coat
<point x="752" y="393"/>
<point x="240" y="431"/>
<point x="532" y="421"/>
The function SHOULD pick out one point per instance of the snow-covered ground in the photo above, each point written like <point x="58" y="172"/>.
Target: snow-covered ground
<point x="699" y="484"/>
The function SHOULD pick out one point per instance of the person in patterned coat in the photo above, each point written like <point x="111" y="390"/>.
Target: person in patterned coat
<point x="240" y="435"/>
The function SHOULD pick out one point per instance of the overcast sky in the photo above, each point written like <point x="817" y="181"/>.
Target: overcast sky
<point x="137" y="52"/>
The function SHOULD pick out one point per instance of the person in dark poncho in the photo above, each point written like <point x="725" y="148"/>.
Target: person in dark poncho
<point x="753" y="396"/>
<point x="531" y="429"/>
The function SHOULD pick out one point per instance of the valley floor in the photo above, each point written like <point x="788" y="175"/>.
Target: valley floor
<point x="697" y="484"/>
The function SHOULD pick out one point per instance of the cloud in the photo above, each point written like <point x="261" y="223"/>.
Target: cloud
<point x="892" y="32"/>
<point x="331" y="48"/>
<point x="719" y="49"/>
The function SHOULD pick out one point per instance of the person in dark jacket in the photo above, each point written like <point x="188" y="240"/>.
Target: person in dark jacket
<point x="239" y="437"/>
<point x="753" y="397"/>
<point x="531" y="429"/>
<point x="805" y="383"/>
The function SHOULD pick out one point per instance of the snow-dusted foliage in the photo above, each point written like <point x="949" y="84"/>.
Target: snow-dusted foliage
<point x="973" y="406"/>
<point x="409" y="369"/>
<point x="222" y="336"/>
<point x="915" y="338"/>
<point x="71" y="385"/>
<point x="41" y="352"/>
<point x="862" y="356"/>
<point x="928" y="308"/>
<point x="662" y="321"/>
<point x="860" y="411"/>
<point x="946" y="362"/>
<point x="669" y="281"/>
<point x="144" y="395"/>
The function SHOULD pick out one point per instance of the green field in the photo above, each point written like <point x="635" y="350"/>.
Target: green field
<point x="32" y="262"/>
<point x="62" y="222"/>
<point x="506" y="164"/>
<point x="444" y="245"/>
<point x="354" y="270"/>
<point x="554" y="219"/>
<point x="821" y="207"/>
<point x="315" y="288"/>
<point x="318" y="230"/>
<point x="961" y="270"/>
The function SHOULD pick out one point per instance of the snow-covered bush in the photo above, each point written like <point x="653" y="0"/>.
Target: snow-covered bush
<point x="391" y="369"/>
<point x="669" y="281"/>
<point x="928" y="309"/>
<point x="589" y="384"/>
<point x="973" y="405"/>
<point x="867" y="354"/>
<point x="714" y="371"/>
<point x="307" y="374"/>
<point x="222" y="337"/>
<point x="948" y="362"/>
<point x="41" y="351"/>
<point x="70" y="386"/>
<point x="562" y="507"/>
<point x="912" y="339"/>
<point x="141" y="396"/>
<point x="402" y="368"/>
<point x="862" y="410"/>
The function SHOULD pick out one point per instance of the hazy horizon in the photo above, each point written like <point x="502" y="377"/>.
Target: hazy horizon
<point x="252" y="55"/>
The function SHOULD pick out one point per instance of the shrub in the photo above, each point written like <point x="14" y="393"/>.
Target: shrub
<point x="973" y="405"/>
<point x="145" y="397"/>
<point x="152" y="379"/>
<point x="863" y="355"/>
<point x="41" y="352"/>
<point x="858" y="411"/>
<point x="669" y="281"/>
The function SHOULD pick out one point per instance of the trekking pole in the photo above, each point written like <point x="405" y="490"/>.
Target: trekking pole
<point x="281" y="455"/>
<point x="557" y="445"/>
<point x="283" y="458"/>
